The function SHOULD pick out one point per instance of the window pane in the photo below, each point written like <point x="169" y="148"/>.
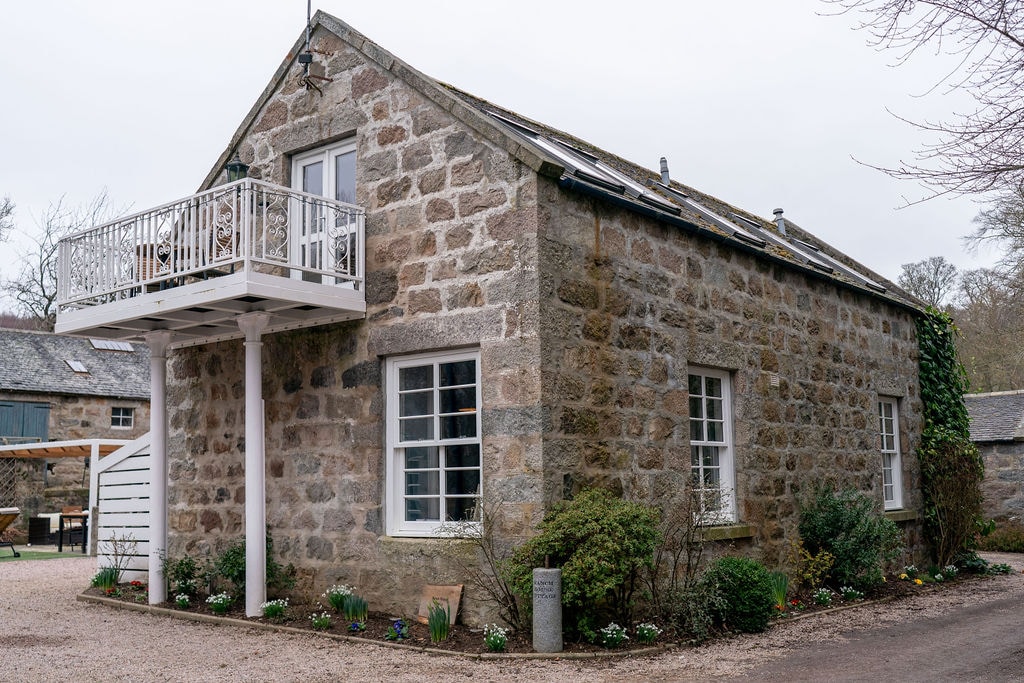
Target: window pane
<point x="345" y="177"/>
<point x="709" y="456"/>
<point x="695" y="407"/>
<point x="454" y="400"/>
<point x="460" y="509"/>
<point x="417" y="509"/>
<point x="890" y="443"/>
<point x="458" y="426"/>
<point x="694" y="384"/>
<point x="313" y="178"/>
<point x="416" y="429"/>
<point x="695" y="456"/>
<point x="711" y="478"/>
<point x="422" y="483"/>
<point x="421" y="377"/>
<point x="713" y="387"/>
<point x="716" y="432"/>
<point x="418" y="403"/>
<point x="714" y="408"/>
<point x="467" y="455"/>
<point x="463" y="372"/>
<point x="421" y="458"/>
<point x="696" y="430"/>
<point x="461" y="481"/>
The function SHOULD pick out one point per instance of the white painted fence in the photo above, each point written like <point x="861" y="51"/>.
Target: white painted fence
<point x="121" y="508"/>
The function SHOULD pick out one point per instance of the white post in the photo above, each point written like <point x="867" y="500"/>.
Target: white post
<point x="252" y="324"/>
<point x="158" y="341"/>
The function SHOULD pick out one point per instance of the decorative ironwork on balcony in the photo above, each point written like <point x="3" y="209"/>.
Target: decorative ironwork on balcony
<point x="215" y="246"/>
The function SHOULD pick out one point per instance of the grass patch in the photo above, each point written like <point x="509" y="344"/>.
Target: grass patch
<point x="5" y="555"/>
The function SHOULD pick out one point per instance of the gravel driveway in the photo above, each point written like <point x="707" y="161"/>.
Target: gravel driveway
<point x="46" y="635"/>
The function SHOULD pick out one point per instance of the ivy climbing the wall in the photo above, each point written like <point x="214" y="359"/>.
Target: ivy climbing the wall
<point x="951" y="469"/>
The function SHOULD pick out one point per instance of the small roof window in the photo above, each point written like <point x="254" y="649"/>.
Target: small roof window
<point x="76" y="366"/>
<point x="111" y="345"/>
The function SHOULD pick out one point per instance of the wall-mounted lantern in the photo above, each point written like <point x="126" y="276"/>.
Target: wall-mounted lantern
<point x="236" y="169"/>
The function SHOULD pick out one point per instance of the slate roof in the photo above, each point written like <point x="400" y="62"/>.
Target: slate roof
<point x="997" y="416"/>
<point x="578" y="166"/>
<point x="36" y="362"/>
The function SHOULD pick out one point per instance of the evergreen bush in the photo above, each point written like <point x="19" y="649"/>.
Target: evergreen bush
<point x="745" y="587"/>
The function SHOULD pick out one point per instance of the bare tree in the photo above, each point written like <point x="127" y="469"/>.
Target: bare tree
<point x="931" y="280"/>
<point x="6" y="221"/>
<point x="34" y="289"/>
<point x="976" y="151"/>
<point x="990" y="315"/>
<point x="1003" y="224"/>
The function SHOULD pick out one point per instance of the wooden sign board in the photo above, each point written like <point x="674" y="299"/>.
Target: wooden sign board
<point x="450" y="595"/>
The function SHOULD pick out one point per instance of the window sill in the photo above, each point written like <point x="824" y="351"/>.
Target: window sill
<point x="727" y="532"/>
<point x="901" y="515"/>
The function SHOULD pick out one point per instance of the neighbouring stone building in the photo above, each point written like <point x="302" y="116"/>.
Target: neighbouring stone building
<point x="55" y="388"/>
<point x="541" y="316"/>
<point x="997" y="428"/>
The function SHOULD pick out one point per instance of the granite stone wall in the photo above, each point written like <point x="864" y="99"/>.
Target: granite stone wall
<point x="629" y="304"/>
<point x="1003" y="486"/>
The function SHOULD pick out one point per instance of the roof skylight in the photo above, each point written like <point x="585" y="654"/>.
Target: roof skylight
<point x="111" y="345"/>
<point x="76" y="366"/>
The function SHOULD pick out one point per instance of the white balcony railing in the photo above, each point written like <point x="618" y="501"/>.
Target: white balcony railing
<point x="245" y="226"/>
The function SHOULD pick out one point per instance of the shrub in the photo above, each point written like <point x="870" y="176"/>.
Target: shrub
<point x="746" y="589"/>
<point x="183" y="575"/>
<point x="230" y="566"/>
<point x="847" y="525"/>
<point x="1005" y="538"/>
<point x="811" y="570"/>
<point x="692" y="609"/>
<point x="600" y="542"/>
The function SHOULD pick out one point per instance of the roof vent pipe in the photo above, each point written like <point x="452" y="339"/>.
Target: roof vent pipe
<point x="780" y="222"/>
<point x="664" y="171"/>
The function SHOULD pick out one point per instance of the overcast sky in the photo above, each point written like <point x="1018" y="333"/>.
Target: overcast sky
<point x="763" y="104"/>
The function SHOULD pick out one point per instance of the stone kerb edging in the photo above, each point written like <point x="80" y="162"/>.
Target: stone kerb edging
<point x="230" y="621"/>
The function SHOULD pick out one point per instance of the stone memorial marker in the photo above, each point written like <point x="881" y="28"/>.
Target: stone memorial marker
<point x="547" y="610"/>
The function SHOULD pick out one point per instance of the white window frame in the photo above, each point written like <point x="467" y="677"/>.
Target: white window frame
<point x="303" y="244"/>
<point x="724" y="497"/>
<point x="395" y="522"/>
<point x="892" y="460"/>
<point x="118" y="415"/>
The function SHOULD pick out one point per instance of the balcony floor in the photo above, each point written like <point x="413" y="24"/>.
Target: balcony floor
<point x="206" y="310"/>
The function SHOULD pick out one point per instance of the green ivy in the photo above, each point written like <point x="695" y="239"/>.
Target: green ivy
<point x="951" y="468"/>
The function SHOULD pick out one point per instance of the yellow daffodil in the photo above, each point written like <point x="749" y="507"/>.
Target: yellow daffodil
<point x="918" y="581"/>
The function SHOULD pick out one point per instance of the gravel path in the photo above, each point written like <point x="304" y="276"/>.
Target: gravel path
<point x="46" y="635"/>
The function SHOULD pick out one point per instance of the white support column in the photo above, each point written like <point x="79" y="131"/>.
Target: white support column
<point x="158" y="342"/>
<point x="253" y="324"/>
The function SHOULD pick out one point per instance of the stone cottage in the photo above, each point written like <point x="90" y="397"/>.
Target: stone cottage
<point x="444" y="303"/>
<point x="55" y="388"/>
<point x="997" y="429"/>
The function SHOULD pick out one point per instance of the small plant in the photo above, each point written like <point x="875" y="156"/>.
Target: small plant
<point x="105" y="578"/>
<point x="972" y="563"/>
<point x="354" y="608"/>
<point x="797" y="604"/>
<point x="938" y="578"/>
<point x="183" y="575"/>
<point x="398" y="630"/>
<point x="780" y="586"/>
<point x="321" y="620"/>
<point x="911" y="571"/>
<point x="850" y="594"/>
<point x="357" y="626"/>
<point x="274" y="609"/>
<point x="219" y="603"/>
<point x="495" y="638"/>
<point x="437" y="620"/>
<point x="950" y="571"/>
<point x="182" y="600"/>
<point x="746" y="588"/>
<point x="336" y="595"/>
<point x="613" y="635"/>
<point x="811" y="570"/>
<point x="647" y="633"/>
<point x="1000" y="568"/>
<point x="823" y="597"/>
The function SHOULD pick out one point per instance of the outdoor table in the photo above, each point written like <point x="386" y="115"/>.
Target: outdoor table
<point x="83" y="517"/>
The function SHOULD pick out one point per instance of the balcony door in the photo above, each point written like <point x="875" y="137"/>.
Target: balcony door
<point x="323" y="238"/>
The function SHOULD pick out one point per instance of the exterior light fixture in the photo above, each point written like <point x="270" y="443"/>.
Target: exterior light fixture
<point x="236" y="169"/>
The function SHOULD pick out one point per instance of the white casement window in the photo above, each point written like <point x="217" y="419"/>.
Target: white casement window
<point x="711" y="443"/>
<point x="322" y="238"/>
<point x="122" y="418"/>
<point x="889" y="437"/>
<point x="434" y="472"/>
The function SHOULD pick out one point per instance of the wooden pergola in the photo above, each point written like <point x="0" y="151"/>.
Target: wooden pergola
<point x="81" y="448"/>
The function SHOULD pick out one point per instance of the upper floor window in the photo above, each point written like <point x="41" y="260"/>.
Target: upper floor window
<point x="711" y="443"/>
<point x="122" y="418"/>
<point x="434" y="469"/>
<point x="889" y="436"/>
<point x="322" y="238"/>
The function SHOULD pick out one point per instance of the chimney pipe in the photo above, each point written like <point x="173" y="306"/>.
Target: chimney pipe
<point x="664" y="171"/>
<point x="780" y="222"/>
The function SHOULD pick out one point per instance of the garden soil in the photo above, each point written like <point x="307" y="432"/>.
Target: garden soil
<point x="47" y="635"/>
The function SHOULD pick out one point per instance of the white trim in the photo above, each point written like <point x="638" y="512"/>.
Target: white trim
<point x="726" y="445"/>
<point x="396" y="524"/>
<point x="118" y="422"/>
<point x="889" y="426"/>
<point x="311" y="244"/>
